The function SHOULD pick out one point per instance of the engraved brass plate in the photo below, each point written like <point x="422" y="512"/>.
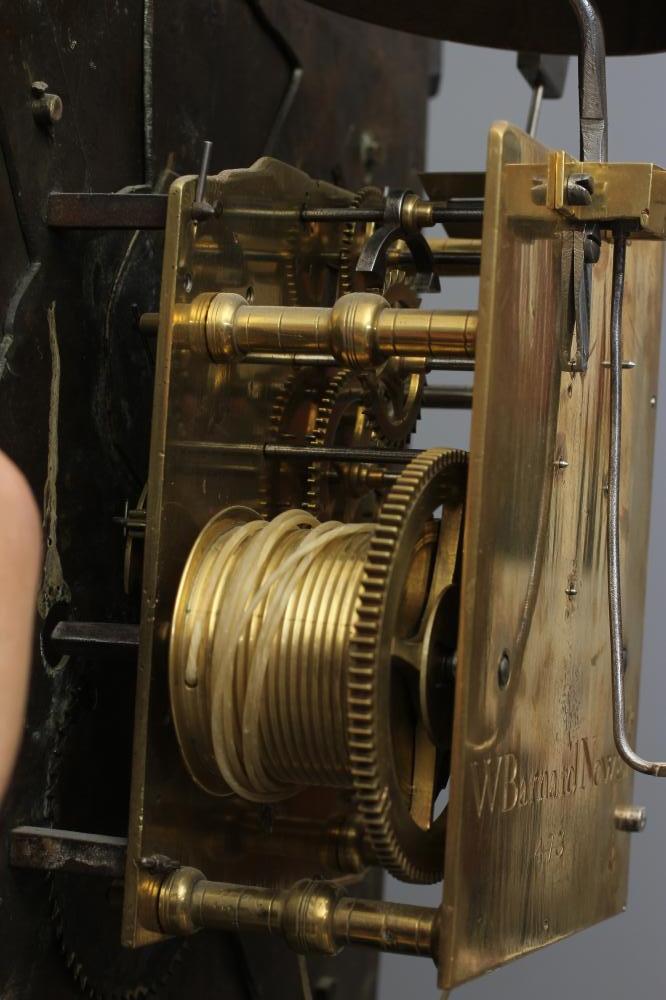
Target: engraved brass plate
<point x="532" y="850"/>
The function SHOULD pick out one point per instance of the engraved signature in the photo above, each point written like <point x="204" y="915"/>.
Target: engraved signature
<point x="501" y="783"/>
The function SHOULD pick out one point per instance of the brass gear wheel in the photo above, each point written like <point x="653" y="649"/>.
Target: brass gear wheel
<point x="392" y="398"/>
<point x="410" y="576"/>
<point x="392" y="402"/>
<point x="290" y="282"/>
<point x="399" y="291"/>
<point x="342" y="420"/>
<point x="284" y="484"/>
<point x="315" y="407"/>
<point x="348" y="242"/>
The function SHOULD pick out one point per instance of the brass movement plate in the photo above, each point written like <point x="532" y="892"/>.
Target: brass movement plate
<point x="532" y="852"/>
<point x="254" y="246"/>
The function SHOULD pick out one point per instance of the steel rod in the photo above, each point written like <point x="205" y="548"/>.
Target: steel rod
<point x="342" y="214"/>
<point x="534" y="113"/>
<point x="93" y="637"/>
<point x="622" y="740"/>
<point x="46" y="849"/>
<point x="101" y="210"/>
<point x="203" y="171"/>
<point x="593" y="106"/>
<point x="309" y="453"/>
<point x="453" y="210"/>
<point x="447" y="397"/>
<point x="462" y="210"/>
<point x="449" y="365"/>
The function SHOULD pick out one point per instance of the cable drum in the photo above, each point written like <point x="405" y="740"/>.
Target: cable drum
<point x="261" y="644"/>
<point x="312" y="654"/>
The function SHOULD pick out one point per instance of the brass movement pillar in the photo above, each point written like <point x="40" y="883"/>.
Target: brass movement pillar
<point x="360" y="330"/>
<point x="312" y="916"/>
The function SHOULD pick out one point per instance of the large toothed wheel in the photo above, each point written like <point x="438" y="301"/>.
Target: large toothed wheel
<point x="308" y="653"/>
<point x="399" y="695"/>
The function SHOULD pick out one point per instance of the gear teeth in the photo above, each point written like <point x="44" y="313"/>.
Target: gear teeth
<point x="324" y="392"/>
<point x="315" y="475"/>
<point x="366" y="673"/>
<point x="81" y="977"/>
<point x="316" y="483"/>
<point x="275" y="419"/>
<point x="347" y="240"/>
<point x="395" y="433"/>
<point x="399" y="291"/>
<point x="293" y="237"/>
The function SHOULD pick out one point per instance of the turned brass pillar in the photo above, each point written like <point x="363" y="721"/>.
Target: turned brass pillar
<point x="312" y="916"/>
<point x="360" y="331"/>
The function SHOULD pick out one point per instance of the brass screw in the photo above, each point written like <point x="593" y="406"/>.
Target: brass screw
<point x="631" y="819"/>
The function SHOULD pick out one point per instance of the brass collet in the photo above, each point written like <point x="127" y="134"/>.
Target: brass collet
<point x="312" y="916"/>
<point x="361" y="330"/>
